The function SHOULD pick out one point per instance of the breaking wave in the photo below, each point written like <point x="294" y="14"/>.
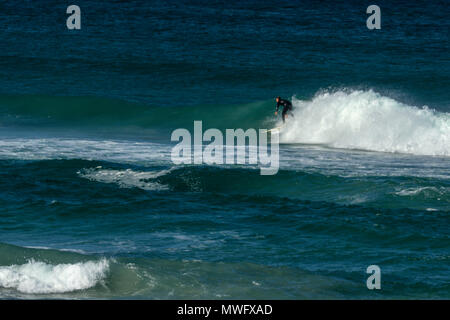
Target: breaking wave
<point x="368" y="121"/>
<point x="39" y="277"/>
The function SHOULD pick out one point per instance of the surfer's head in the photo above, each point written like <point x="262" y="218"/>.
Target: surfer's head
<point x="277" y="99"/>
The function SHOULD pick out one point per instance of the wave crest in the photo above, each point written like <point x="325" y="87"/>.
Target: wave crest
<point x="368" y="121"/>
<point x="39" y="277"/>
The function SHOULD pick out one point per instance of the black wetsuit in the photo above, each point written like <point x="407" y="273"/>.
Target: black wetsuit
<point x="287" y="106"/>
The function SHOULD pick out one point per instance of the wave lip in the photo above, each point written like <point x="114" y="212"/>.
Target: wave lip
<point x="368" y="121"/>
<point x="36" y="277"/>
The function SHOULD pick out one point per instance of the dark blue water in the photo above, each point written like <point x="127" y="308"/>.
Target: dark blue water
<point x="92" y="206"/>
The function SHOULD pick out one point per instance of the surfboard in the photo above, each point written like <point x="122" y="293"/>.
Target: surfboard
<point x="276" y="128"/>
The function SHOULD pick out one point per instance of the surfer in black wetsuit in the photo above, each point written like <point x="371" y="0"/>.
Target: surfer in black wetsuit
<point x="287" y="107"/>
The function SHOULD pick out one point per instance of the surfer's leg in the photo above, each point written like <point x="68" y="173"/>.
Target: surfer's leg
<point x="284" y="114"/>
<point x="290" y="112"/>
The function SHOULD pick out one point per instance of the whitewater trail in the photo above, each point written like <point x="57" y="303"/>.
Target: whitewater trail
<point x="369" y="121"/>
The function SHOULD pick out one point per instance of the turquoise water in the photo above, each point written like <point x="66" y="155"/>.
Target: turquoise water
<point x="92" y="206"/>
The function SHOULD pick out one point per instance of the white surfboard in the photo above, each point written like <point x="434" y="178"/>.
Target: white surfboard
<point x="276" y="128"/>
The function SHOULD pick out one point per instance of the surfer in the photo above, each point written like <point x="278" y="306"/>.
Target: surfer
<point x="287" y="107"/>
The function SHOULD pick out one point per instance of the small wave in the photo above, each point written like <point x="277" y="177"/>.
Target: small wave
<point x="37" y="277"/>
<point x="423" y="190"/>
<point x="368" y="121"/>
<point x="126" y="178"/>
<point x="413" y="191"/>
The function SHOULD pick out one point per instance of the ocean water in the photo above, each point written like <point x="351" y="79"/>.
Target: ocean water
<point x="91" y="205"/>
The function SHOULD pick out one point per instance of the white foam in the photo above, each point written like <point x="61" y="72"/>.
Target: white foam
<point x="107" y="150"/>
<point x="368" y="121"/>
<point x="126" y="178"/>
<point x="39" y="277"/>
